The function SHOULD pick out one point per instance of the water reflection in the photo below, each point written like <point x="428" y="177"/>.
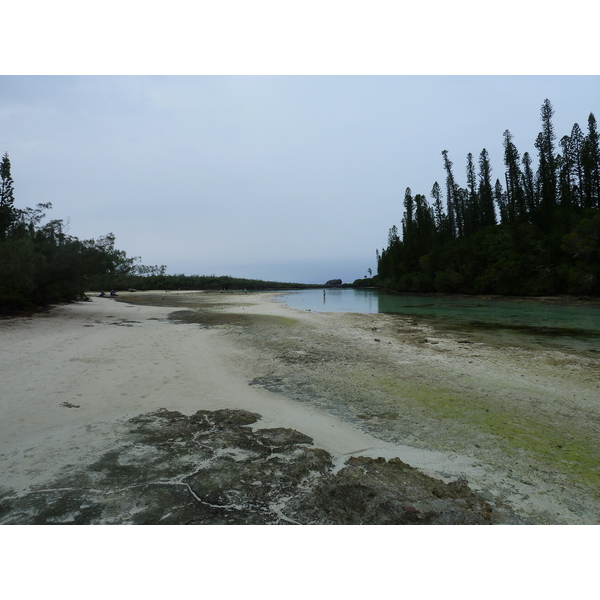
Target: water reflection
<point x="569" y="327"/>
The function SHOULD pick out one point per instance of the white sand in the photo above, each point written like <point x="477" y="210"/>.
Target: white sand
<point x="68" y="378"/>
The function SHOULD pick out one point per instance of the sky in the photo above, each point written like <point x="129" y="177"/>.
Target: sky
<point x="285" y="178"/>
<point x="272" y="141"/>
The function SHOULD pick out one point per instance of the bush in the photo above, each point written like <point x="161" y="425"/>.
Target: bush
<point x="14" y="302"/>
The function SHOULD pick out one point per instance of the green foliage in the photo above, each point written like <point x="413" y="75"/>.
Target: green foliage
<point x="365" y="282"/>
<point x="39" y="263"/>
<point x="548" y="238"/>
<point x="160" y="281"/>
<point x="7" y="211"/>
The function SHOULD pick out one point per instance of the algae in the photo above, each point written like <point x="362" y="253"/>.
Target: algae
<point x="573" y="455"/>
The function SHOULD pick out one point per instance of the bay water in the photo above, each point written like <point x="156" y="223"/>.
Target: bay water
<point x="566" y="325"/>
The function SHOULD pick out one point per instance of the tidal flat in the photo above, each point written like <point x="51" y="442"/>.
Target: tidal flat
<point x="355" y="418"/>
<point x="528" y="417"/>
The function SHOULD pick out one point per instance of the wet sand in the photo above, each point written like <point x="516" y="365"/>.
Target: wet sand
<point x="520" y="426"/>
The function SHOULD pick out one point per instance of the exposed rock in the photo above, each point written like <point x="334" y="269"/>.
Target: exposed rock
<point x="334" y="283"/>
<point x="376" y="491"/>
<point x="213" y="468"/>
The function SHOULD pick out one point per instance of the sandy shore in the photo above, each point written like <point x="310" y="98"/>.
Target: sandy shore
<point x="68" y="375"/>
<point x="522" y="427"/>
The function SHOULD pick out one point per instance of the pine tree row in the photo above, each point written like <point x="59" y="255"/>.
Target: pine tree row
<point x="537" y="232"/>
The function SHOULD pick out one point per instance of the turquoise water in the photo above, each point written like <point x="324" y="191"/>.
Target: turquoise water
<point x="505" y="321"/>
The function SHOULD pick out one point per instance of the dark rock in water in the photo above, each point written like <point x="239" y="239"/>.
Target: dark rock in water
<point x="213" y="468"/>
<point x="334" y="282"/>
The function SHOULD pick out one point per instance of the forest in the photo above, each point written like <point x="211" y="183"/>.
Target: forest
<point x="40" y="263"/>
<point x="536" y="232"/>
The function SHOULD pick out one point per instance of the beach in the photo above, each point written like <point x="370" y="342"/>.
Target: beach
<point x="239" y="382"/>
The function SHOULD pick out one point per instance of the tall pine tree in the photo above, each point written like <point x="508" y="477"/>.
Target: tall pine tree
<point x="486" y="193"/>
<point x="514" y="190"/>
<point x="529" y="184"/>
<point x="455" y="213"/>
<point x="576" y="149"/>
<point x="591" y="165"/>
<point x="547" y="172"/>
<point x="7" y="210"/>
<point x="472" y="216"/>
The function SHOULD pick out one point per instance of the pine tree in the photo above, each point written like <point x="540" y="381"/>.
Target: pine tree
<point x="566" y="186"/>
<point x="547" y="172"/>
<point x="425" y="226"/>
<point x="393" y="238"/>
<point x="7" y="210"/>
<point x="486" y="194"/>
<point x="455" y="213"/>
<point x="472" y="215"/>
<point x="591" y="165"/>
<point x="438" y="211"/>
<point x="500" y="198"/>
<point x="514" y="191"/>
<point x="408" y="207"/>
<point x="576" y="150"/>
<point x="529" y="187"/>
<point x="409" y="233"/>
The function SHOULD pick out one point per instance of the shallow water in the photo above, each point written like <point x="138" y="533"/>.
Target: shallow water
<point x="529" y="323"/>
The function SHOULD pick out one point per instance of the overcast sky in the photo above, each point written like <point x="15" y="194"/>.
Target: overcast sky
<point x="288" y="178"/>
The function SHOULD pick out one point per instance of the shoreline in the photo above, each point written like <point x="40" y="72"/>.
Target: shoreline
<point x="560" y="299"/>
<point x="91" y="366"/>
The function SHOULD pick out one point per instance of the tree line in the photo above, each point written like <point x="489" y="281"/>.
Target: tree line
<point x="535" y="232"/>
<point x="154" y="280"/>
<point x="41" y="264"/>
